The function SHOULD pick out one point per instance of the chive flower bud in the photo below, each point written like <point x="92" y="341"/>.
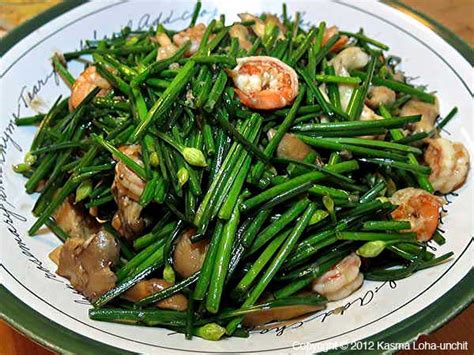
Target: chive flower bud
<point x="21" y="168"/>
<point x="194" y="157"/>
<point x="318" y="216"/>
<point x="169" y="274"/>
<point x="131" y="41"/>
<point x="183" y="176"/>
<point x="154" y="159"/>
<point x="83" y="190"/>
<point x="328" y="202"/>
<point x="210" y="331"/>
<point x="29" y="159"/>
<point x="371" y="249"/>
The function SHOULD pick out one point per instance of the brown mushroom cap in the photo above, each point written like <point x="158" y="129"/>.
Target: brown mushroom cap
<point x="147" y="288"/>
<point x="86" y="263"/>
<point x="74" y="220"/>
<point x="291" y="147"/>
<point x="278" y="313"/>
<point x="380" y="95"/>
<point x="429" y="113"/>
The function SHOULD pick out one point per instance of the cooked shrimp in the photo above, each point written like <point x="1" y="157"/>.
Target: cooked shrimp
<point x="277" y="314"/>
<point x="74" y="221"/>
<point x="349" y="59"/>
<point x="146" y="288"/>
<point x="127" y="189"/>
<point x="264" y="83"/>
<point x="188" y="257"/>
<point x="418" y="207"/>
<point x="449" y="163"/>
<point x="241" y="33"/>
<point x="428" y="112"/>
<point x="84" y="84"/>
<point x="291" y="147"/>
<point x="167" y="47"/>
<point x="260" y="25"/>
<point x="341" y="42"/>
<point x="341" y="280"/>
<point x="87" y="262"/>
<point x="126" y="180"/>
<point x="193" y="34"/>
<point x="380" y="95"/>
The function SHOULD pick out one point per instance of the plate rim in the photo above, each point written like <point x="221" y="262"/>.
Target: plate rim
<point x="58" y="338"/>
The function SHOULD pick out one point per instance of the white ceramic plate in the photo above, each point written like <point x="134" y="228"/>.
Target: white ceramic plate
<point x="379" y="311"/>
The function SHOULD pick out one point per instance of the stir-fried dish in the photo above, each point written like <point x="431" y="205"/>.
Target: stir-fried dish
<point x="218" y="178"/>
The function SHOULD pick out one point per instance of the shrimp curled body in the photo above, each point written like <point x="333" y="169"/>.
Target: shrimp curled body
<point x="449" y="163"/>
<point x="188" y="257"/>
<point x="341" y="280"/>
<point x="127" y="189"/>
<point x="418" y="207"/>
<point x="264" y="83"/>
<point x="84" y="84"/>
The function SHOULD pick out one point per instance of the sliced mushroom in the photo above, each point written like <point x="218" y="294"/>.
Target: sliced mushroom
<point x="345" y="61"/>
<point x="87" y="262"/>
<point x="380" y="95"/>
<point x="278" y="314"/>
<point x="275" y="21"/>
<point x="194" y="35"/>
<point x="260" y="25"/>
<point x="127" y="220"/>
<point x="291" y="147"/>
<point x="242" y="34"/>
<point x="177" y="302"/>
<point x="188" y="257"/>
<point x="428" y="112"/>
<point x="74" y="221"/>
<point x="369" y="115"/>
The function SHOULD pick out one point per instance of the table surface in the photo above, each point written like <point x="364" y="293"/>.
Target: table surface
<point x="457" y="15"/>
